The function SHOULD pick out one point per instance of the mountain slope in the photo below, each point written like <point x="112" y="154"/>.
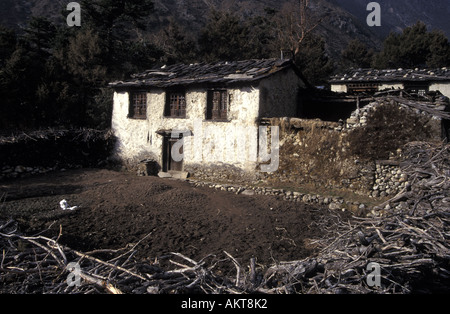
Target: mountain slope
<point x="344" y="20"/>
<point x="398" y="14"/>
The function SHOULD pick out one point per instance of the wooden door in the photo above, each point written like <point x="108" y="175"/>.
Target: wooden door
<point x="169" y="164"/>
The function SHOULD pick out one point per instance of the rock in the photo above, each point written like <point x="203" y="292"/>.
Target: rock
<point x="334" y="206"/>
<point x="180" y="175"/>
<point x="20" y="169"/>
<point x="7" y="170"/>
<point x="403" y="178"/>
<point x="248" y="192"/>
<point x="164" y="175"/>
<point x="352" y="121"/>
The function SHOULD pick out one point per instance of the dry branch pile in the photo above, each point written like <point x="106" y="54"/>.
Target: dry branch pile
<point x="38" y="264"/>
<point x="410" y="246"/>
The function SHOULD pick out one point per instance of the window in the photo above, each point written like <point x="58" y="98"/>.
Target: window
<point x="217" y="105"/>
<point x="418" y="88"/>
<point x="363" y="88"/>
<point x="138" y="105"/>
<point x="176" y="105"/>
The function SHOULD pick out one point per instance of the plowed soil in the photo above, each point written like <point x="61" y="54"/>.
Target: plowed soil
<point x="117" y="208"/>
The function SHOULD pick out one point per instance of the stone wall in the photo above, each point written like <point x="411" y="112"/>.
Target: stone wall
<point x="223" y="173"/>
<point x="322" y="153"/>
<point x="315" y="152"/>
<point x="389" y="179"/>
<point x="48" y="150"/>
<point x="359" y="117"/>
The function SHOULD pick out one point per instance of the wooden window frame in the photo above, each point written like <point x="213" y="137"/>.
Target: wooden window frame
<point x="217" y="105"/>
<point x="363" y="87"/>
<point x="138" y="105"/>
<point x="176" y="104"/>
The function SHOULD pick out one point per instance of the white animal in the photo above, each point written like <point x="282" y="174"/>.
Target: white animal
<point x="65" y="206"/>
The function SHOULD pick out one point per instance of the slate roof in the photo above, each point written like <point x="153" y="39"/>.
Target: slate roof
<point x="198" y="73"/>
<point x="392" y="75"/>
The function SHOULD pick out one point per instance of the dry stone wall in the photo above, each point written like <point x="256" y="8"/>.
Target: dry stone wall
<point x="322" y="153"/>
<point x="43" y="151"/>
<point x="389" y="179"/>
<point x="314" y="152"/>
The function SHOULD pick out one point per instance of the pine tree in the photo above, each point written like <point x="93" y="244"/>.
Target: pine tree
<point x="118" y="23"/>
<point x="414" y="47"/>
<point x="224" y="38"/>
<point x="8" y="40"/>
<point x="439" y="50"/>
<point x="313" y="60"/>
<point x="357" y="55"/>
<point x="177" y="45"/>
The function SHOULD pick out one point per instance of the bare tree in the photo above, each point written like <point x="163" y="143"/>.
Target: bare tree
<point x="294" y="23"/>
<point x="308" y="23"/>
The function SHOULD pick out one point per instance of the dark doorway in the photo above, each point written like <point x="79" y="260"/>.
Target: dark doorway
<point x="169" y="164"/>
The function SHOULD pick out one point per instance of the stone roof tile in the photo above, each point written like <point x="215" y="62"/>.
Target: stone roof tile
<point x="218" y="72"/>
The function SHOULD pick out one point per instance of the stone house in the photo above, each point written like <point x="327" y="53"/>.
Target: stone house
<point x="203" y="116"/>
<point x="417" y="81"/>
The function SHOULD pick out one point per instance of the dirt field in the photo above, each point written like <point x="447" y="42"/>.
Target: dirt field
<point x="117" y="208"/>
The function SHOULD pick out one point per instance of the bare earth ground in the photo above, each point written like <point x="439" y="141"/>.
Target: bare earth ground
<point x="118" y="208"/>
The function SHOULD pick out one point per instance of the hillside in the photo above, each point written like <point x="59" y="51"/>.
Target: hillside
<point x="397" y="15"/>
<point x="343" y="20"/>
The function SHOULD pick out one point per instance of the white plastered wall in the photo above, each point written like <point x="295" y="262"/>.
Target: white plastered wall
<point x="394" y="86"/>
<point x="339" y="88"/>
<point x="444" y="88"/>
